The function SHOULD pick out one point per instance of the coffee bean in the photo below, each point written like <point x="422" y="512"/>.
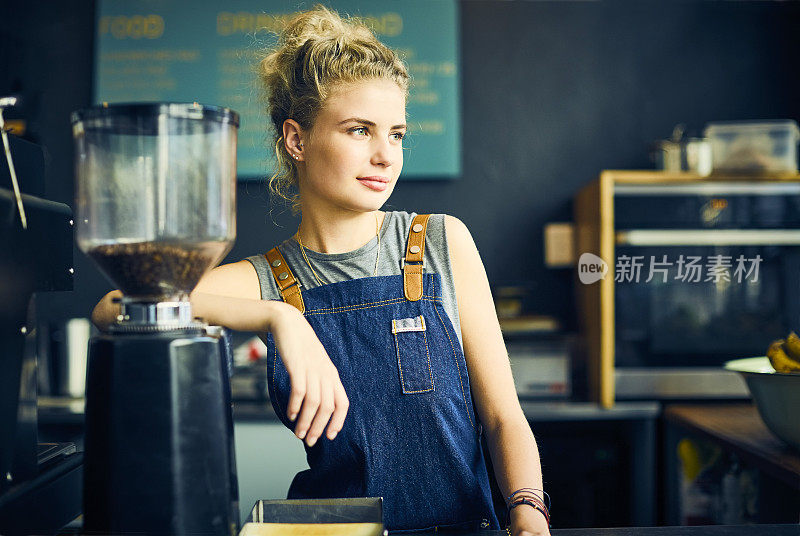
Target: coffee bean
<point x="154" y="269"/>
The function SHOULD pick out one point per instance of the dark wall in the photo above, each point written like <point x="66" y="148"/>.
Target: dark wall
<point x="552" y="92"/>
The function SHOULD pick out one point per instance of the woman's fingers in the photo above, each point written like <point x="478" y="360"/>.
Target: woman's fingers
<point x="322" y="402"/>
<point x="297" y="394"/>
<point x="341" y="404"/>
<point x="309" y="409"/>
<point x="324" y="412"/>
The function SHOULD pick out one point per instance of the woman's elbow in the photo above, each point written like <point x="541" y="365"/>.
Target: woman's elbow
<point x="106" y="310"/>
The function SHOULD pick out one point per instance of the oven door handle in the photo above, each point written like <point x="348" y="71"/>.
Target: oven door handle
<point x="708" y="237"/>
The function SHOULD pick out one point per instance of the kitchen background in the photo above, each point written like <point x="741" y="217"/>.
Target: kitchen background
<point x="552" y="93"/>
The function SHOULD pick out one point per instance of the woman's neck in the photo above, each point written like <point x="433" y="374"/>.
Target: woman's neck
<point x="338" y="232"/>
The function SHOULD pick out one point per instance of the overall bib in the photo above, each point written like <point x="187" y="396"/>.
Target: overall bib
<point x="411" y="434"/>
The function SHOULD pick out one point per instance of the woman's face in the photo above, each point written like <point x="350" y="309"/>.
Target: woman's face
<point x="353" y="154"/>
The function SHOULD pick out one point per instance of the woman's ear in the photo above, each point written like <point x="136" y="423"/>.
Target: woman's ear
<point x="293" y="139"/>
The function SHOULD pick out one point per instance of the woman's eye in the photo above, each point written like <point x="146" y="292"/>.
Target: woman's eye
<point x="398" y="135"/>
<point x="361" y="131"/>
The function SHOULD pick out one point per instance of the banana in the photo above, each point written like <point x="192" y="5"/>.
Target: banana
<point x="792" y="347"/>
<point x="779" y="360"/>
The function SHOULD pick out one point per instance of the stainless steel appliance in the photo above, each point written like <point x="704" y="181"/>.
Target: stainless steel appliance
<point x="700" y="271"/>
<point x="155" y="210"/>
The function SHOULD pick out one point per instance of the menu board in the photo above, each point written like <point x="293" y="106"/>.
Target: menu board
<point x="207" y="51"/>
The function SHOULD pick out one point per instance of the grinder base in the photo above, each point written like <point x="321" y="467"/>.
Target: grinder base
<point x="159" y="437"/>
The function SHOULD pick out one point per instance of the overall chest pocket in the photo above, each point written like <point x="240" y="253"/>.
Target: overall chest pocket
<point x="413" y="356"/>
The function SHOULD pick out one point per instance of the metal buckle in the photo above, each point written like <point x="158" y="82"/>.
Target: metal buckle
<point x="295" y="284"/>
<point x="403" y="263"/>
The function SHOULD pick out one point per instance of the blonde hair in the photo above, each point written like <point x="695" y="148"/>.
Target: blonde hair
<point x="316" y="50"/>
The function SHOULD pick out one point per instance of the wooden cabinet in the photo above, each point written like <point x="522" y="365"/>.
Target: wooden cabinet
<point x="740" y="433"/>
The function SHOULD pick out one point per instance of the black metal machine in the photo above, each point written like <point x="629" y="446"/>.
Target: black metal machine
<point x="39" y="483"/>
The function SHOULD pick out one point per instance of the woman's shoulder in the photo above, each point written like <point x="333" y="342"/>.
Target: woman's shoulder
<point x="236" y="280"/>
<point x="402" y="220"/>
<point x="441" y="229"/>
<point x="439" y="224"/>
<point x="260" y="265"/>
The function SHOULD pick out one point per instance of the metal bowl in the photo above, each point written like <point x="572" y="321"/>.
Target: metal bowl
<point x="777" y="396"/>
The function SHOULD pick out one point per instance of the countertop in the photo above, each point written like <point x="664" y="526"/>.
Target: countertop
<point x="739" y="428"/>
<point x="54" y="410"/>
<point x="722" y="530"/>
<point x="717" y="530"/>
<point x="535" y="411"/>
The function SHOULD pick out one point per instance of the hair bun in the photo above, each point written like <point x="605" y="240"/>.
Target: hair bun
<point x="318" y="24"/>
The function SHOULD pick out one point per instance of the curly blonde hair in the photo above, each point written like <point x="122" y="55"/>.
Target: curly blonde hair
<point x="316" y="50"/>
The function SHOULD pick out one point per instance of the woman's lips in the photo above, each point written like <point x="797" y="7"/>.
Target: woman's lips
<point x="378" y="184"/>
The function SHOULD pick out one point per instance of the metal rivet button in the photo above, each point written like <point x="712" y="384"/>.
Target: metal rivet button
<point x="283" y="276"/>
<point x="414" y="249"/>
<point x="417" y="227"/>
<point x="276" y="263"/>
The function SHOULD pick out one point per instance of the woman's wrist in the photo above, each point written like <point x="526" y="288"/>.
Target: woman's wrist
<point x="271" y="313"/>
<point x="527" y="510"/>
<point x="529" y="519"/>
<point x="274" y="312"/>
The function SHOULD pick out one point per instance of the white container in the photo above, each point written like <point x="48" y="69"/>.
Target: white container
<point x="762" y="147"/>
<point x="691" y="154"/>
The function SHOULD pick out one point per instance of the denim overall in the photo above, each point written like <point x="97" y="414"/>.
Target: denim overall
<point x="411" y="434"/>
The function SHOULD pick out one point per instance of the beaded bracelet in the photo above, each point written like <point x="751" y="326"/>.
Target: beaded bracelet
<point x="531" y="491"/>
<point x="546" y="518"/>
<point x="532" y="499"/>
<point x="540" y="507"/>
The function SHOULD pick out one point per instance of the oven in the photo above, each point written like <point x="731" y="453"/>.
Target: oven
<point x="699" y="271"/>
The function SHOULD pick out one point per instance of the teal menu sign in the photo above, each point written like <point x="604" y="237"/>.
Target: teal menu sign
<point x="207" y="51"/>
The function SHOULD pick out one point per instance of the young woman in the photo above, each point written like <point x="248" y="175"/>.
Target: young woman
<point x="385" y="354"/>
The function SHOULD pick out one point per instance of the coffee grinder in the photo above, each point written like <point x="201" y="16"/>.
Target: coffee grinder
<point x="155" y="205"/>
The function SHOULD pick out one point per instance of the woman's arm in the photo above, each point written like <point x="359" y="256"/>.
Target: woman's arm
<point x="511" y="443"/>
<point x="230" y="296"/>
<point x="237" y="280"/>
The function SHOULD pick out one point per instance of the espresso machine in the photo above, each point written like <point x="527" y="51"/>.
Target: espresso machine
<point x="155" y="209"/>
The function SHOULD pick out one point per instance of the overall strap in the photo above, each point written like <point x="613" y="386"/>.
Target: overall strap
<point x="287" y="284"/>
<point x="415" y="253"/>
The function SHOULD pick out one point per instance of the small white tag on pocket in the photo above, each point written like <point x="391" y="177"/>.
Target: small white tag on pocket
<point x="408" y="324"/>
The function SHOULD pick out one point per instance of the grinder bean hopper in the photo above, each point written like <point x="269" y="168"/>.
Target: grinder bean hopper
<point x="155" y="198"/>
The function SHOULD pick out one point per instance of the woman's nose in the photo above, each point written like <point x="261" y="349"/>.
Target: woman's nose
<point x="382" y="154"/>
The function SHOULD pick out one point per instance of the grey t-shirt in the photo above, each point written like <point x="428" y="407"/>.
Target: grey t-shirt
<point x="335" y="267"/>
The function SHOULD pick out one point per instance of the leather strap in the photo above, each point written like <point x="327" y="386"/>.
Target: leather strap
<point x="415" y="253"/>
<point x="287" y="284"/>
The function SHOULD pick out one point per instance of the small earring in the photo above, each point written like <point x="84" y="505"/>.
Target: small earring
<point x="296" y="157"/>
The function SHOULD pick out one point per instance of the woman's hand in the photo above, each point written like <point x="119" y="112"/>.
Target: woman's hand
<point x="527" y="521"/>
<point x="317" y="394"/>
